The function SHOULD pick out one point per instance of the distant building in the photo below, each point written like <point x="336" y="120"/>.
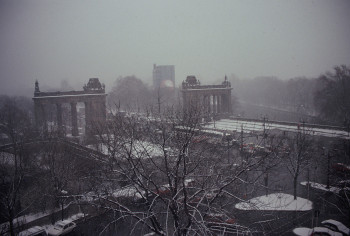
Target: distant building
<point x="164" y="76"/>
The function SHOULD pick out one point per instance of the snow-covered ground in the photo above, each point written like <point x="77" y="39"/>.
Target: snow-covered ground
<point x="71" y="218"/>
<point x="140" y="149"/>
<point x="322" y="187"/>
<point x="276" y="202"/>
<point x="129" y="192"/>
<point x="25" y="219"/>
<point x="250" y="126"/>
<point x="28" y="218"/>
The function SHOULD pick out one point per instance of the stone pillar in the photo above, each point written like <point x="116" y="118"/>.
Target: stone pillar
<point x="214" y="104"/>
<point x="207" y="104"/>
<point x="44" y="118"/>
<point x="100" y="111"/>
<point x="103" y="111"/>
<point x="59" y="118"/>
<point x="88" y="117"/>
<point x="75" y="131"/>
<point x="184" y="98"/>
<point x="210" y="103"/>
<point x="229" y="103"/>
<point x="224" y="103"/>
<point x="219" y="104"/>
<point x="40" y="116"/>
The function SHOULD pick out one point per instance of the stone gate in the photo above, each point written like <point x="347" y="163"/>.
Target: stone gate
<point x="93" y="96"/>
<point x="212" y="100"/>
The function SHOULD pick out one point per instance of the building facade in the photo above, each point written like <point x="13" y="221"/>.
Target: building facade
<point x="163" y="76"/>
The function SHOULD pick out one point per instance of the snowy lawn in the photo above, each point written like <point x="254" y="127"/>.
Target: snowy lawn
<point x="129" y="192"/>
<point x="276" y="202"/>
<point x="140" y="149"/>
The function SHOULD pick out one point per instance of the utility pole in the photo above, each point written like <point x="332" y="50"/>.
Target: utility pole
<point x="241" y="137"/>
<point x="264" y="129"/>
<point x="265" y="165"/>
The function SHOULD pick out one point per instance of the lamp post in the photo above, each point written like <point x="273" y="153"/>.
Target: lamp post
<point x="63" y="198"/>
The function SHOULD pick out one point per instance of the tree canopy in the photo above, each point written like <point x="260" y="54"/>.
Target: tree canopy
<point x="332" y="99"/>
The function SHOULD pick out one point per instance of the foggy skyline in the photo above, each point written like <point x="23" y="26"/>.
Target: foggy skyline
<point x="53" y="41"/>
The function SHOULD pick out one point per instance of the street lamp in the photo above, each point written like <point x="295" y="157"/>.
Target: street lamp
<point x="63" y="198"/>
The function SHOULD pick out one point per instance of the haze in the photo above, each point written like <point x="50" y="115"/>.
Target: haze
<point x="54" y="41"/>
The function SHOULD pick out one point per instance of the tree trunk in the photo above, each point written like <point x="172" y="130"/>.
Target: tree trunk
<point x="295" y="184"/>
<point x="12" y="232"/>
<point x="62" y="204"/>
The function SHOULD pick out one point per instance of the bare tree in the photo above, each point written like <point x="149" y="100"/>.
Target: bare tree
<point x="178" y="179"/>
<point x="15" y="124"/>
<point x="298" y="155"/>
<point x="332" y="99"/>
<point x="130" y="94"/>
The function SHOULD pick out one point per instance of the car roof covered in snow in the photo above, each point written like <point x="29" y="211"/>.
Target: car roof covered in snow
<point x="341" y="226"/>
<point x="307" y="231"/>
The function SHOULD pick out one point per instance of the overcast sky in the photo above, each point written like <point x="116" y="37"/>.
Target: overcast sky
<point x="75" y="40"/>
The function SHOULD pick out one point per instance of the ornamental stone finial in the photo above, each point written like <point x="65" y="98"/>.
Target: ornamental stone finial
<point x="37" y="90"/>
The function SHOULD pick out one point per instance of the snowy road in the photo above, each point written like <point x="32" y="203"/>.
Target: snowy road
<point x="228" y="125"/>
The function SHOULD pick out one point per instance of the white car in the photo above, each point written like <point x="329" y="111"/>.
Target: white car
<point x="62" y="228"/>
<point x="317" y="231"/>
<point x="336" y="226"/>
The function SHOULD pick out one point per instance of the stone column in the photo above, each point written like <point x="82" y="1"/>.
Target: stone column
<point x="229" y="103"/>
<point x="224" y="103"/>
<point x="184" y="98"/>
<point x="87" y="117"/>
<point x="214" y="104"/>
<point x="44" y="118"/>
<point x="206" y="105"/>
<point x="210" y="103"/>
<point x="219" y="103"/>
<point x="40" y="116"/>
<point x="103" y="111"/>
<point x="59" y="118"/>
<point x="75" y="131"/>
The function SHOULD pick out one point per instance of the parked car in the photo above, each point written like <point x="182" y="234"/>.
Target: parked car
<point x="62" y="227"/>
<point x="336" y="226"/>
<point x="199" y="139"/>
<point x="163" y="190"/>
<point x="34" y="231"/>
<point x="189" y="182"/>
<point x="317" y="231"/>
<point x="218" y="219"/>
<point x="341" y="168"/>
<point x="220" y="224"/>
<point x="205" y="197"/>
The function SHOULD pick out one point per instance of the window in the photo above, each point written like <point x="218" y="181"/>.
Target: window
<point x="330" y="226"/>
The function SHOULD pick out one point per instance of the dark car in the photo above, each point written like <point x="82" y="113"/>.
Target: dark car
<point x="217" y="219"/>
<point x="341" y="168"/>
<point x="220" y="224"/>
